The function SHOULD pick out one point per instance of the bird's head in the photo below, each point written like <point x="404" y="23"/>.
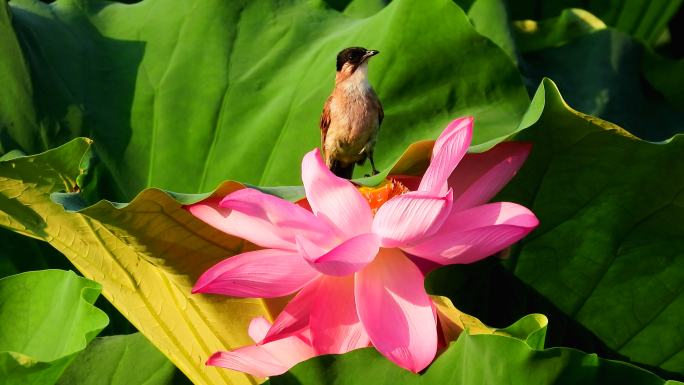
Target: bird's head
<point x="353" y="58"/>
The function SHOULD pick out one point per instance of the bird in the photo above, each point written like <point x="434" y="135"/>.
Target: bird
<point x="351" y="116"/>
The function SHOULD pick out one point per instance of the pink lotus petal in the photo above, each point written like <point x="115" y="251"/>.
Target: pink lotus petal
<point x="253" y="359"/>
<point x="335" y="327"/>
<point x="295" y="316"/>
<point x="396" y="311"/>
<point x="274" y="215"/>
<point x="407" y="219"/>
<point x="480" y="176"/>
<point x="347" y="258"/>
<point x="449" y="148"/>
<point x="291" y="350"/>
<point x="334" y="198"/>
<point x="269" y="359"/>
<point x="255" y="230"/>
<point x="258" y="328"/>
<point x="264" y="273"/>
<point x="470" y="235"/>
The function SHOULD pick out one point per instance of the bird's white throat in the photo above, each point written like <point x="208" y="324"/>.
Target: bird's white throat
<point x="358" y="81"/>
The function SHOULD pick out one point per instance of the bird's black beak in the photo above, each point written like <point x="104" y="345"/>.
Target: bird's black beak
<point x="368" y="54"/>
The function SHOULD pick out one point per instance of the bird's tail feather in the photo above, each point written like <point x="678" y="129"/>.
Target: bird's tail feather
<point x="342" y="170"/>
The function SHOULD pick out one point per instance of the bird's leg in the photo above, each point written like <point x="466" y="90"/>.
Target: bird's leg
<point x="370" y="156"/>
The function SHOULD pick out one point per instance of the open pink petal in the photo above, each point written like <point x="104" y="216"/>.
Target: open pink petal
<point x="253" y="359"/>
<point x="334" y="198"/>
<point x="449" y="148"/>
<point x="258" y="328"/>
<point x="407" y="219"/>
<point x="480" y="176"/>
<point x="269" y="359"/>
<point x="276" y="215"/>
<point x="335" y="326"/>
<point x="264" y="273"/>
<point x="476" y="233"/>
<point x="396" y="311"/>
<point x="255" y="230"/>
<point x="348" y="257"/>
<point x="291" y="350"/>
<point x="295" y="316"/>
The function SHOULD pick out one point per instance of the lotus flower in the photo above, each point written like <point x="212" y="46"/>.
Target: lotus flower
<point x="355" y="265"/>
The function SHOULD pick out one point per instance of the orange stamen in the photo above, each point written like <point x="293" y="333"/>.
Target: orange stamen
<point x="378" y="195"/>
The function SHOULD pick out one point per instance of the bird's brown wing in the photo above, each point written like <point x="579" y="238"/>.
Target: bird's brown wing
<point x="378" y="106"/>
<point x="325" y="122"/>
<point x="381" y="113"/>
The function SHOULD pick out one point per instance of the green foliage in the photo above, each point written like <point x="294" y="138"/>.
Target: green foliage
<point x="474" y="359"/>
<point x="610" y="204"/>
<point x="601" y="71"/>
<point x="608" y="252"/>
<point x="37" y="339"/>
<point x="643" y="19"/>
<point x="146" y="254"/>
<point x="666" y="76"/>
<point x="119" y="360"/>
<point x="251" y="93"/>
<point x="610" y="82"/>
<point x="184" y="95"/>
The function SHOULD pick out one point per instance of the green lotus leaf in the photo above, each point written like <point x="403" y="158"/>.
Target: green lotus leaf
<point x="245" y="103"/>
<point x="170" y="113"/>
<point x="599" y="69"/>
<point x="608" y="256"/>
<point x="491" y="18"/>
<point x="119" y="360"/>
<point x="667" y="76"/>
<point x="475" y="359"/>
<point x="39" y="340"/>
<point x="643" y="19"/>
<point x="146" y="254"/>
<point x="600" y="74"/>
<point x="571" y="24"/>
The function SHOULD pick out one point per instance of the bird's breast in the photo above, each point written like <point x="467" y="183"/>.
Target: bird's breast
<point x="354" y="121"/>
<point x="355" y="114"/>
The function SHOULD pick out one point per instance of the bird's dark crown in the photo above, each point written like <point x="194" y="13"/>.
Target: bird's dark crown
<point x="352" y="55"/>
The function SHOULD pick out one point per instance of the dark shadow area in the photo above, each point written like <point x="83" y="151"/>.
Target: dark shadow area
<point x="180" y="379"/>
<point x="675" y="48"/>
<point x="84" y="84"/>
<point x="488" y="291"/>
<point x="341" y="5"/>
<point x="601" y="74"/>
<point x="118" y="324"/>
<point x="20" y="253"/>
<point x="338" y="5"/>
<point x="7" y="142"/>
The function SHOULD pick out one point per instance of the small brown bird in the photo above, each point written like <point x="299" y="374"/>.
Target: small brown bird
<point x="352" y="114"/>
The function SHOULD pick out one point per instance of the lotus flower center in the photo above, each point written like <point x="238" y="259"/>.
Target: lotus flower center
<point x="378" y="195"/>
